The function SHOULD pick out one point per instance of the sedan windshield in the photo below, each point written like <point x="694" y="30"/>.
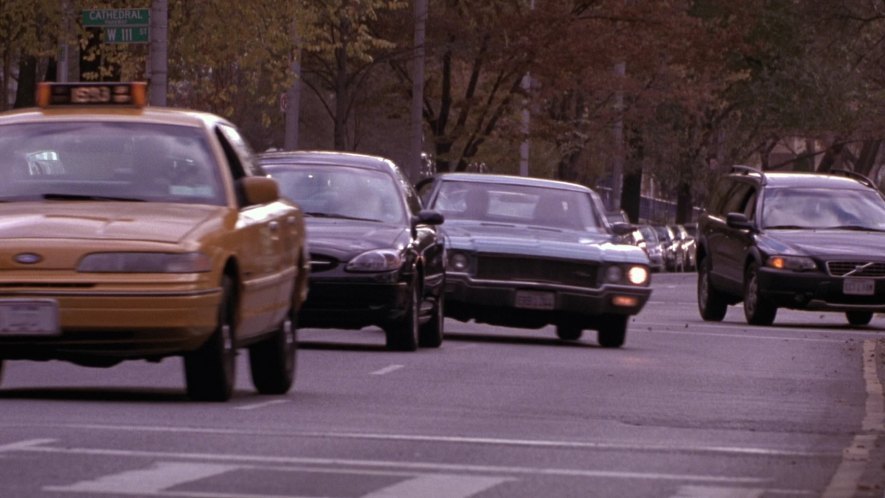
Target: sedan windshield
<point x="523" y="204"/>
<point x="331" y="191"/>
<point x="823" y="208"/>
<point x="109" y="161"/>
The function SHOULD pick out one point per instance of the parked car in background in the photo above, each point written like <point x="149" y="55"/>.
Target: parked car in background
<point x="135" y="232"/>
<point x="652" y="246"/>
<point x="807" y="241"/>
<point x="375" y="255"/>
<point x="670" y="247"/>
<point x="526" y="252"/>
<point x="687" y="238"/>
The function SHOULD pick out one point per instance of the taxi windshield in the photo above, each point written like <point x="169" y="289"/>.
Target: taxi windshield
<point x="107" y="161"/>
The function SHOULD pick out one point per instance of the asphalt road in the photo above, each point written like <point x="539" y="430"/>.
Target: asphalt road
<point x="685" y="409"/>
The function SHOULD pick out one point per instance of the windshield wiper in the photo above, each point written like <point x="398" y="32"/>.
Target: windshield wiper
<point x="82" y="197"/>
<point x="859" y="228"/>
<point x="786" y="227"/>
<point x="317" y="214"/>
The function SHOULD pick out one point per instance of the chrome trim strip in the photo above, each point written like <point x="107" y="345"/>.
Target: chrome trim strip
<point x="202" y="292"/>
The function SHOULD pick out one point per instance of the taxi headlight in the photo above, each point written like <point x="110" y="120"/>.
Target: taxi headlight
<point x="145" y="262"/>
<point x="377" y="260"/>
<point x="797" y="263"/>
<point x="637" y="275"/>
<point x="458" y="262"/>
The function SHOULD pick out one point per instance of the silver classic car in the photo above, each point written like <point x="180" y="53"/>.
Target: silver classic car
<point x="526" y="252"/>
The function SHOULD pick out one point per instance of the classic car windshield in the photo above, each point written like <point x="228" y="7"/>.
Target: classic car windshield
<point x="531" y="205"/>
<point x="823" y="208"/>
<point x="341" y="191"/>
<point x="107" y="161"/>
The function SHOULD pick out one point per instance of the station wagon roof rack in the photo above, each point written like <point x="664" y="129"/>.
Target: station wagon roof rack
<point x="854" y="174"/>
<point x="749" y="170"/>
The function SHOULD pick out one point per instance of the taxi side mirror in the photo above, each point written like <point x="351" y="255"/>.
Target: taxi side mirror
<point x="259" y="189"/>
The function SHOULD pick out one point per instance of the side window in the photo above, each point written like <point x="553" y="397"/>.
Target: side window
<point x="750" y="208"/>
<point x="412" y="198"/>
<point x="245" y="155"/>
<point x="234" y="162"/>
<point x="720" y="195"/>
<point x="737" y="198"/>
<point x="425" y="191"/>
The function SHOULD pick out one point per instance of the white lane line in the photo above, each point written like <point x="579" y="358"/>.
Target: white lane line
<point x="263" y="404"/>
<point x="387" y="369"/>
<point x="22" y="445"/>
<point x="646" y="447"/>
<point x="153" y="480"/>
<point x="717" y="492"/>
<point x="438" y="486"/>
<point x="436" y="467"/>
<point x="856" y="457"/>
<point x="642" y="327"/>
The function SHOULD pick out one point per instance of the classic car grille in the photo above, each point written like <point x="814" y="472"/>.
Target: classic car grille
<point x="841" y="268"/>
<point x="536" y="270"/>
<point x="322" y="263"/>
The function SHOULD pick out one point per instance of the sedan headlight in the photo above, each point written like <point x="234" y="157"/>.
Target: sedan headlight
<point x="375" y="261"/>
<point x="145" y="262"/>
<point x="796" y="263"/>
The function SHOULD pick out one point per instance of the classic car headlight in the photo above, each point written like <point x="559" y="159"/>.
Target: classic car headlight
<point x="458" y="262"/>
<point x="798" y="263"/>
<point x="377" y="260"/>
<point x="614" y="274"/>
<point x="145" y="262"/>
<point x="637" y="275"/>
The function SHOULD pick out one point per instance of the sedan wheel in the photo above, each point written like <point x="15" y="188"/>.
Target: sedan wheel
<point x="858" y="318"/>
<point x="210" y="370"/>
<point x="430" y="334"/>
<point x="569" y="331"/>
<point x="756" y="311"/>
<point x="402" y="335"/>
<point x="711" y="303"/>
<point x="612" y="331"/>
<point x="273" y="360"/>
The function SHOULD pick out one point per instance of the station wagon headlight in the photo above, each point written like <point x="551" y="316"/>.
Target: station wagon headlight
<point x="377" y="260"/>
<point x="797" y="263"/>
<point x="145" y="262"/>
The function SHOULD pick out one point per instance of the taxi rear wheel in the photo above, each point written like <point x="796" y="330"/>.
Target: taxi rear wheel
<point x="859" y="317"/>
<point x="273" y="360"/>
<point x="612" y="331"/>
<point x="210" y="370"/>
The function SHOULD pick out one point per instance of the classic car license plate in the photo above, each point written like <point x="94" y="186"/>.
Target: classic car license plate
<point x="536" y="300"/>
<point x="859" y="286"/>
<point x="28" y="317"/>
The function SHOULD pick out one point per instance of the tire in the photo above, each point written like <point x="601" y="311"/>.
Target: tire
<point x="430" y="334"/>
<point x="859" y="318"/>
<point x="402" y="335"/>
<point x="210" y="371"/>
<point x="569" y="331"/>
<point x="1" y="371"/>
<point x="711" y="303"/>
<point x="612" y="331"/>
<point x="756" y="311"/>
<point x="273" y="360"/>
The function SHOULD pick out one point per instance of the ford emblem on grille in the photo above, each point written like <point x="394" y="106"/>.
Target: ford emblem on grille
<point x="28" y="258"/>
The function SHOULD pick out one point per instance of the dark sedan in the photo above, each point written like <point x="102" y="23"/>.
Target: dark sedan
<point x="376" y="259"/>
<point x="525" y="252"/>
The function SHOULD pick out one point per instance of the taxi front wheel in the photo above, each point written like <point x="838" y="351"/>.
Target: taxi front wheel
<point x="210" y="370"/>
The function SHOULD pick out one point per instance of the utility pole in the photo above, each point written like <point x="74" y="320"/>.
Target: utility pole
<point x="293" y="94"/>
<point x="525" y="127"/>
<point x="159" y="57"/>
<point x="417" y="120"/>
<point x="614" y="202"/>
<point x="64" y="46"/>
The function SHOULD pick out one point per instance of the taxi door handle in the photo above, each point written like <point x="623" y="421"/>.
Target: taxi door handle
<point x="273" y="226"/>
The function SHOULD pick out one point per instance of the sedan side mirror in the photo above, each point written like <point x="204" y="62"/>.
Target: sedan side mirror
<point x="739" y="221"/>
<point x="621" y="228"/>
<point x="426" y="217"/>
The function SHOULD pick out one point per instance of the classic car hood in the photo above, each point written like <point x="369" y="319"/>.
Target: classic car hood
<point x="102" y="220"/>
<point x="499" y="238"/>
<point x="832" y="243"/>
<point x="343" y="239"/>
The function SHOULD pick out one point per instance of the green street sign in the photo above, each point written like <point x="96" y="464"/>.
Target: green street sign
<point x="127" y="35"/>
<point x="104" y="18"/>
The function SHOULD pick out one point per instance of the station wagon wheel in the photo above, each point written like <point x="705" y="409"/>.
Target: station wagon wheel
<point x="756" y="311"/>
<point x="612" y="331"/>
<point x="210" y="370"/>
<point x="430" y="334"/>
<point x="402" y="335"/>
<point x="569" y="331"/>
<point x="711" y="303"/>
<point x="858" y="318"/>
<point x="273" y="360"/>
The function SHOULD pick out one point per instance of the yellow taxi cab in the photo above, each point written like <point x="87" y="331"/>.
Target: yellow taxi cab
<point x="134" y="232"/>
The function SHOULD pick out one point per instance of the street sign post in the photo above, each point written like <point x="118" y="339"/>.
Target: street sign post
<point x="120" y="25"/>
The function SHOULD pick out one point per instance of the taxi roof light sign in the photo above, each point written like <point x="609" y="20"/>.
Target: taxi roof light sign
<point x="132" y="94"/>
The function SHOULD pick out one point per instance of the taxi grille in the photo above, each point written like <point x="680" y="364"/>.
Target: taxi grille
<point x="856" y="268"/>
<point x="537" y="270"/>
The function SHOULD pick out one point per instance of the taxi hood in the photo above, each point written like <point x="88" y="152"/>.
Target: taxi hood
<point x="502" y="238"/>
<point x="154" y="222"/>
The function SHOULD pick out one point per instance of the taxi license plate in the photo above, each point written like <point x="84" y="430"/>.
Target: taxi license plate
<point x="536" y="300"/>
<point x="35" y="317"/>
<point x="859" y="286"/>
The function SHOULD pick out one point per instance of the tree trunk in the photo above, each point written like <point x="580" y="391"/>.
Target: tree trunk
<point x="26" y="94"/>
